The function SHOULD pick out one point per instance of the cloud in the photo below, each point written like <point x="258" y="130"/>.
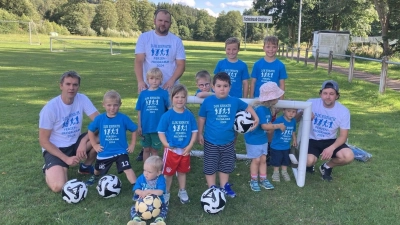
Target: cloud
<point x="209" y="4"/>
<point x="211" y="13"/>
<point x="238" y="4"/>
<point x="190" y="3"/>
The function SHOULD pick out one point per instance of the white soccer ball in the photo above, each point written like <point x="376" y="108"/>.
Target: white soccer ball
<point x="213" y="201"/>
<point x="148" y="207"/>
<point x="109" y="186"/>
<point x="243" y="122"/>
<point x="74" y="191"/>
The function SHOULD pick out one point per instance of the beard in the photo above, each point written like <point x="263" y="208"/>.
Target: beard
<point x="162" y="31"/>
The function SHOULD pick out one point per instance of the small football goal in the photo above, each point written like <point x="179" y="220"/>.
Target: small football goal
<point x="15" y="31"/>
<point x="90" y="45"/>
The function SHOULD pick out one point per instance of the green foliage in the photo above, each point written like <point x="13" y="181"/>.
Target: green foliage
<point x="228" y="25"/>
<point x="123" y="10"/>
<point x="76" y="14"/>
<point x="106" y="16"/>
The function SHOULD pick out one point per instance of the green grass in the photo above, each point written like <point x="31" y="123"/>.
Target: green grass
<point x="361" y="193"/>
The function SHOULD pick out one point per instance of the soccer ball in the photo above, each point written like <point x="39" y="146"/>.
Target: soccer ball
<point x="74" y="191"/>
<point x="213" y="201"/>
<point x="148" y="207"/>
<point x="109" y="186"/>
<point x="243" y="122"/>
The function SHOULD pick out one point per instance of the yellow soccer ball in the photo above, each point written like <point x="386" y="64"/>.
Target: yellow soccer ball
<point x="148" y="207"/>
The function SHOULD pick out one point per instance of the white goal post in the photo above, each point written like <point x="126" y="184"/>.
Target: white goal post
<point x="61" y="44"/>
<point x="31" y="28"/>
<point x="303" y="133"/>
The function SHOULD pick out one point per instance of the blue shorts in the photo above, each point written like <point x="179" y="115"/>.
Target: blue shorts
<point x="219" y="158"/>
<point x="279" y="158"/>
<point x="256" y="151"/>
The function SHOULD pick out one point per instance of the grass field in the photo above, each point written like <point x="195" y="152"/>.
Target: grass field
<point x="361" y="193"/>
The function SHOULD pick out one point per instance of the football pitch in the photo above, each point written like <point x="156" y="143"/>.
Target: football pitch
<point x="360" y="193"/>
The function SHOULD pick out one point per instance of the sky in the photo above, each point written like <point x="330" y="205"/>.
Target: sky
<point x="213" y="7"/>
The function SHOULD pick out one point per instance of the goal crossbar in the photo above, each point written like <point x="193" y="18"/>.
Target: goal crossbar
<point x="62" y="39"/>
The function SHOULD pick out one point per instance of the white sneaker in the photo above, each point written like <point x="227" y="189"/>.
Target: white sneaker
<point x="183" y="196"/>
<point x="166" y="198"/>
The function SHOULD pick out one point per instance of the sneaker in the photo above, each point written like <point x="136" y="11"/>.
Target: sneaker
<point x="276" y="177"/>
<point x="136" y="221"/>
<point x="183" y="196"/>
<point x="285" y="175"/>
<point x="326" y="173"/>
<point x="228" y="190"/>
<point x="310" y="169"/>
<point x="266" y="184"/>
<point x="158" y="221"/>
<point x="44" y="169"/>
<point x="85" y="169"/>
<point x="93" y="179"/>
<point x="140" y="156"/>
<point x="254" y="185"/>
<point x="166" y="198"/>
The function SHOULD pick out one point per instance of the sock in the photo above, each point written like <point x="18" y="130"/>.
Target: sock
<point x="254" y="176"/>
<point x="263" y="176"/>
<point x="84" y="166"/>
<point x="326" y="166"/>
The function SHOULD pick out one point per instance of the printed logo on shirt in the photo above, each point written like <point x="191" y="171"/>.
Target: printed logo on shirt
<point x="322" y="124"/>
<point x="160" y="54"/>
<point x="152" y="103"/>
<point x="223" y="112"/>
<point x="111" y="133"/>
<point x="180" y="128"/>
<point x="69" y="125"/>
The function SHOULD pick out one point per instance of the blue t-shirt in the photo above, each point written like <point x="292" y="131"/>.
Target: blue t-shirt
<point x="152" y="104"/>
<point x="258" y="136"/>
<point x="177" y="127"/>
<point x="220" y="117"/>
<point x="281" y="140"/>
<point x="238" y="72"/>
<point x="143" y="184"/>
<point x="198" y="91"/>
<point x="112" y="133"/>
<point x="264" y="72"/>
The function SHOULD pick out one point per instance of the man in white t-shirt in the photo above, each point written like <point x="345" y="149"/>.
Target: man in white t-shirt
<point x="60" y="124"/>
<point x="329" y="117"/>
<point x="162" y="49"/>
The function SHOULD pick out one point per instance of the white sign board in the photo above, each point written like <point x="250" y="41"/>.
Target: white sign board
<point x="257" y="19"/>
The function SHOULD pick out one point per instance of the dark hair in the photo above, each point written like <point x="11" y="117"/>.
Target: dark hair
<point x="161" y="10"/>
<point x="222" y="76"/>
<point x="328" y="86"/>
<point x="72" y="74"/>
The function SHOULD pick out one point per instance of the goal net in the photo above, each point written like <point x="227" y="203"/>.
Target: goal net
<point x="14" y="31"/>
<point x="90" y="45"/>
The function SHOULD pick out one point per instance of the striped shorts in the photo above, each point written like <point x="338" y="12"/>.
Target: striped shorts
<point x="219" y="158"/>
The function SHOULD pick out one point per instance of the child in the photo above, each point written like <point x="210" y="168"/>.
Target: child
<point x="280" y="145"/>
<point x="216" y="119"/>
<point x="177" y="131"/>
<point x="151" y="104"/>
<point x="113" y="147"/>
<point x="150" y="182"/>
<point x="236" y="68"/>
<point x="256" y="140"/>
<point x="203" y="81"/>
<point x="268" y="68"/>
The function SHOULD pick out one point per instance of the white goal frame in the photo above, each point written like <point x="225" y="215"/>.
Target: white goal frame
<point x="30" y="26"/>
<point x="86" y="39"/>
<point x="302" y="137"/>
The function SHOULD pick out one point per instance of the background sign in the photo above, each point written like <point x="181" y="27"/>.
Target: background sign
<point x="257" y="19"/>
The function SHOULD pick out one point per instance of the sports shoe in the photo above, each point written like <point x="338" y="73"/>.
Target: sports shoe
<point x="166" y="198"/>
<point x="276" y="176"/>
<point x="228" y="190"/>
<point x="136" y="221"/>
<point x="326" y="173"/>
<point x="93" y="179"/>
<point x="285" y="175"/>
<point x="183" y="196"/>
<point x="266" y="184"/>
<point x="85" y="169"/>
<point x="310" y="169"/>
<point x="254" y="185"/>
<point x="158" y="221"/>
<point x="44" y="169"/>
<point x="140" y="156"/>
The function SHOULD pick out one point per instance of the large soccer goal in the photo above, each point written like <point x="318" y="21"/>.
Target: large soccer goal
<point x="14" y="31"/>
<point x="72" y="44"/>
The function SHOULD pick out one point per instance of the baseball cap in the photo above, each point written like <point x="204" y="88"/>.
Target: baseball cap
<point x="270" y="91"/>
<point x="330" y="84"/>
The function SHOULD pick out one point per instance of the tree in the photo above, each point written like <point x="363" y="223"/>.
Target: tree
<point x="123" y="9"/>
<point x="203" y="27"/>
<point x="106" y="16"/>
<point x="143" y="14"/>
<point x="228" y="25"/>
<point x="20" y="8"/>
<point x="76" y="14"/>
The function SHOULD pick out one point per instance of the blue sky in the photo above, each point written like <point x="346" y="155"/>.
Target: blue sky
<point x="213" y="7"/>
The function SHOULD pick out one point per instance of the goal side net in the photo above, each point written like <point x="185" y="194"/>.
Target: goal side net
<point x="15" y="31"/>
<point x="89" y="45"/>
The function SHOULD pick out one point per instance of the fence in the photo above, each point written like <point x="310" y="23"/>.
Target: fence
<point x="384" y="61"/>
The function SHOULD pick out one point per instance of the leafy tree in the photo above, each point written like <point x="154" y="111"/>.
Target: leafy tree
<point x="106" y="16"/>
<point x="123" y="9"/>
<point x="143" y="14"/>
<point x="203" y="27"/>
<point x="20" y="8"/>
<point x="76" y="15"/>
<point x="228" y="25"/>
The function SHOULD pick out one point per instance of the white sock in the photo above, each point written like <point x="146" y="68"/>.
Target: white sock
<point x="326" y="166"/>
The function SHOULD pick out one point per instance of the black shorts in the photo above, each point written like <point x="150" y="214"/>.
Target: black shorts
<point x="51" y="160"/>
<point x="219" y="158"/>
<point x="315" y="147"/>
<point x="104" y="165"/>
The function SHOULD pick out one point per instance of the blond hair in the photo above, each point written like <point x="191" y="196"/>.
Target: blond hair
<point x="113" y="95"/>
<point x="203" y="74"/>
<point x="155" y="161"/>
<point x="267" y="104"/>
<point x="271" y="39"/>
<point x="154" y="72"/>
<point x="232" y="40"/>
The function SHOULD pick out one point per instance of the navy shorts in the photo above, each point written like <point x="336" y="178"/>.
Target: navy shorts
<point x="219" y="158"/>
<point x="104" y="165"/>
<point x="316" y="147"/>
<point x="279" y="158"/>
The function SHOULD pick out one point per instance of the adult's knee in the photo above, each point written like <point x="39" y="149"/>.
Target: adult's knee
<point x="311" y="160"/>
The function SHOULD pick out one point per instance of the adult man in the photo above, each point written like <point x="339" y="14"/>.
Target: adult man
<point x="162" y="49"/>
<point x="60" y="123"/>
<point x="329" y="117"/>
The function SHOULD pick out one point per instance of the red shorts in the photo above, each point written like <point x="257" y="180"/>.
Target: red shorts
<point x="175" y="163"/>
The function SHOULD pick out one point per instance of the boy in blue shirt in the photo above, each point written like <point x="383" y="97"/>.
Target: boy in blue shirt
<point x="216" y="119"/>
<point x="113" y="147"/>
<point x="236" y="68"/>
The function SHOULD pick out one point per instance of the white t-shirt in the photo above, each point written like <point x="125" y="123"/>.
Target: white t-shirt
<point x="65" y="121"/>
<point x="328" y="121"/>
<point x="161" y="52"/>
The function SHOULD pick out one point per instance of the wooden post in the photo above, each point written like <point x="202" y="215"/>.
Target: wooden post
<point x="330" y="62"/>
<point x="351" y="67"/>
<point x="316" y="59"/>
<point x="382" y="81"/>
<point x="298" y="55"/>
<point x="306" y="58"/>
